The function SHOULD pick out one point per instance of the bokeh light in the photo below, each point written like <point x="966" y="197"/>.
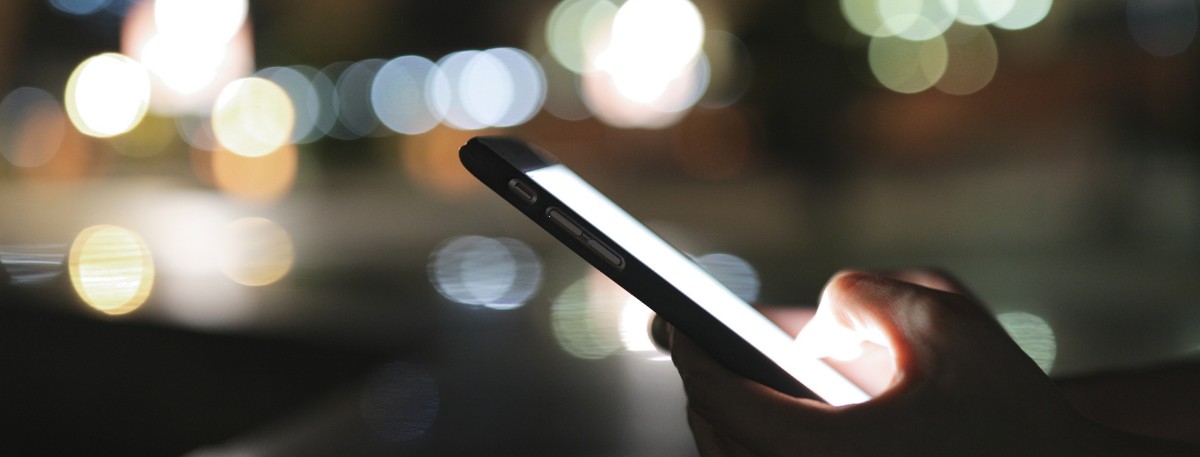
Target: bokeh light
<point x="200" y="20"/>
<point x="398" y="94"/>
<point x="327" y="116"/>
<point x="197" y="132"/>
<point x="578" y="30"/>
<point x="305" y="102"/>
<point x="261" y="180"/>
<point x="191" y="48"/>
<point x="80" y="7"/>
<point x="586" y="321"/>
<point x="635" y="327"/>
<point x="730" y="69"/>
<point x="479" y="89"/>
<point x="653" y="43"/>
<point x="107" y="95"/>
<point x="910" y="19"/>
<point x="612" y="107"/>
<point x="400" y="401"/>
<point x="907" y="66"/>
<point x="256" y="251"/>
<point x="528" y="85"/>
<point x="983" y="12"/>
<point x="734" y="272"/>
<point x="972" y="58"/>
<point x="1034" y="335"/>
<point x="499" y="273"/>
<point x="32" y="125"/>
<point x="1162" y="27"/>
<point x="111" y="269"/>
<point x="253" y="117"/>
<point x="354" y="98"/>
<point x="1025" y="14"/>
<point x="32" y="264"/>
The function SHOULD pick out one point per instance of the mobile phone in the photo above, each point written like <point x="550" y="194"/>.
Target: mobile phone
<point x="662" y="277"/>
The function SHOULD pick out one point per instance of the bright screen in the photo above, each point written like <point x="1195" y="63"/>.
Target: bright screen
<point x="697" y="284"/>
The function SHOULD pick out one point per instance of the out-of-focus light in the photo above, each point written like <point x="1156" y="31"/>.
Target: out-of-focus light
<point x="734" y="272"/>
<point x="256" y="252"/>
<point x="910" y="19"/>
<point x="327" y="116"/>
<point x="1162" y="27"/>
<point x="528" y="85"/>
<point x="200" y="20"/>
<point x="475" y="93"/>
<point x="585" y="326"/>
<point x="983" y="12"/>
<point x="1024" y="14"/>
<point x="262" y="179"/>
<point x="578" y="30"/>
<point x="31" y="127"/>
<point x="564" y="96"/>
<point x="972" y="60"/>
<point x="730" y="69"/>
<point x="907" y="66"/>
<point x="431" y="160"/>
<point x="148" y="139"/>
<point x="1033" y="335"/>
<point x="33" y="264"/>
<point x="188" y="64"/>
<point x="184" y="65"/>
<point x="612" y="107"/>
<point x="653" y="43"/>
<point x="499" y="273"/>
<point x="398" y="94"/>
<point x="111" y="269"/>
<point x="197" y="132"/>
<point x="635" y="327"/>
<point x="400" y="401"/>
<point x="302" y="94"/>
<point x="253" y="117"/>
<point x="107" y="95"/>
<point x="354" y="97"/>
<point x="80" y="7"/>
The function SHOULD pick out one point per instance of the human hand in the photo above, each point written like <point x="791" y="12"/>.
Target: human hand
<point x="960" y="386"/>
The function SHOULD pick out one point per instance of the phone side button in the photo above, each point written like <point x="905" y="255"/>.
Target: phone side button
<point x="608" y="255"/>
<point x="563" y="222"/>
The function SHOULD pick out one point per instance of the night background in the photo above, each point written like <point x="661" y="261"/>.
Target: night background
<point x="194" y="263"/>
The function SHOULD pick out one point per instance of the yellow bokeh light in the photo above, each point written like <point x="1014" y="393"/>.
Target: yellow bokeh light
<point x="107" y="95"/>
<point x="907" y="66"/>
<point x="256" y="252"/>
<point x="262" y="179"/>
<point x="253" y="116"/>
<point x="973" y="58"/>
<point x="111" y="269"/>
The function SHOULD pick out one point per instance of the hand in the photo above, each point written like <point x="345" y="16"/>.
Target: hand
<point x="961" y="387"/>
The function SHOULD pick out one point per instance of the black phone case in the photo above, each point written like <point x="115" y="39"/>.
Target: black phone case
<point x="497" y="161"/>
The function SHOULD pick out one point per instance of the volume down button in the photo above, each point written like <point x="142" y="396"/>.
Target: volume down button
<point x="608" y="255"/>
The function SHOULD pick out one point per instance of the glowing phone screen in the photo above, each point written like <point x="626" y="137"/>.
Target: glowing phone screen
<point x="696" y="284"/>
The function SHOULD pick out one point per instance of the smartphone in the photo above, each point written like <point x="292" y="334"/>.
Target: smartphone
<point x="666" y="280"/>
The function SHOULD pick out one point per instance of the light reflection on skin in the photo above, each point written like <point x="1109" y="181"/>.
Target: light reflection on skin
<point x="873" y="369"/>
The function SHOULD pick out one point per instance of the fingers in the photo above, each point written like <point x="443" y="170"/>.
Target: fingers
<point x="741" y="409"/>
